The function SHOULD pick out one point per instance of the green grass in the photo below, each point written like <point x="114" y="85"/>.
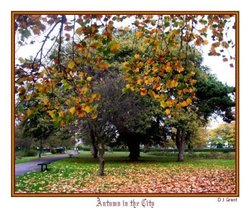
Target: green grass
<point x="71" y="174"/>
<point x="25" y="159"/>
<point x="31" y="158"/>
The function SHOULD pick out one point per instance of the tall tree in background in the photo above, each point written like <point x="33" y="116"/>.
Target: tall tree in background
<point x="212" y="98"/>
<point x="224" y="135"/>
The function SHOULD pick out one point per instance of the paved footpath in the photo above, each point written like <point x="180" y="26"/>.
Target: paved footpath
<point x="32" y="166"/>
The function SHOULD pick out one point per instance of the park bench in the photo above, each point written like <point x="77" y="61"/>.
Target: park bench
<point x="45" y="165"/>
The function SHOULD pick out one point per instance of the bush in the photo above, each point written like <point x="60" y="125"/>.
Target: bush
<point x="83" y="148"/>
<point x="26" y="153"/>
<point x="198" y="155"/>
<point x="53" y="151"/>
<point x="225" y="150"/>
<point x="30" y="153"/>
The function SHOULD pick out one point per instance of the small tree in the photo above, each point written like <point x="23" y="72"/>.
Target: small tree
<point x="224" y="134"/>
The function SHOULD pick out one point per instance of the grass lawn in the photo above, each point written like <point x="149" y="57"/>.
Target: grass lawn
<point x="31" y="158"/>
<point x="152" y="174"/>
<point x="25" y="159"/>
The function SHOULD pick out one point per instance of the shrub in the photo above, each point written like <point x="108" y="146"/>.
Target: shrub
<point x="53" y="151"/>
<point x="26" y="153"/>
<point x="30" y="153"/>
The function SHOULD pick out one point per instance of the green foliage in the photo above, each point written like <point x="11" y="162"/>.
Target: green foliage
<point x="214" y="96"/>
<point x="26" y="153"/>
<point x="224" y="133"/>
<point x="212" y="150"/>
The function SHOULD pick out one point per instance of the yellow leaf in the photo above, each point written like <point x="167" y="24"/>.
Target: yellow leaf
<point x="137" y="56"/>
<point x="68" y="102"/>
<point x="84" y="90"/>
<point x="72" y="110"/>
<point x="95" y="96"/>
<point x="178" y="105"/>
<point x="140" y="65"/>
<point x="81" y="75"/>
<point x="167" y="111"/>
<point x="46" y="101"/>
<point x="205" y="42"/>
<point x="87" y="109"/>
<point x="163" y="104"/>
<point x="81" y="114"/>
<point x="149" y="80"/>
<point x="41" y="88"/>
<point x="89" y="79"/>
<point x="193" y="81"/>
<point x="29" y="112"/>
<point x="179" y="68"/>
<point x="184" y="104"/>
<point x="103" y="65"/>
<point x="79" y="31"/>
<point x="137" y="70"/>
<point x="157" y="86"/>
<point x="62" y="123"/>
<point x="94" y="116"/>
<point x="154" y="95"/>
<point x="154" y="68"/>
<point x="126" y="29"/>
<point x="61" y="114"/>
<point x="76" y="100"/>
<point x="125" y="64"/>
<point x="176" y="32"/>
<point x="168" y="67"/>
<point x="139" y="34"/>
<point x="139" y="81"/>
<point x="172" y="83"/>
<point x="22" y="91"/>
<point x="71" y="64"/>
<point x="51" y="113"/>
<point x="114" y="46"/>
<point x="169" y="103"/>
<point x="188" y="101"/>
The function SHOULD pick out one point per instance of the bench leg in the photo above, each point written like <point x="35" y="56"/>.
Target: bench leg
<point x="45" y="168"/>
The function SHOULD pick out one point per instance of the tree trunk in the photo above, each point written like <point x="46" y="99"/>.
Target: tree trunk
<point x="180" y="143"/>
<point x="101" y="150"/>
<point x="181" y="152"/>
<point x="190" y="149"/>
<point x="94" y="149"/>
<point x="134" y="148"/>
<point x="40" y="148"/>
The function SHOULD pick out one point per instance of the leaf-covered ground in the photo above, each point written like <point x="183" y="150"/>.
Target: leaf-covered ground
<point x="151" y="175"/>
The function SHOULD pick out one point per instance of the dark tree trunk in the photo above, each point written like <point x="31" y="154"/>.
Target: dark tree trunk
<point x="40" y="148"/>
<point x="94" y="149"/>
<point x="101" y="150"/>
<point x="180" y="143"/>
<point x="190" y="149"/>
<point x="134" y="148"/>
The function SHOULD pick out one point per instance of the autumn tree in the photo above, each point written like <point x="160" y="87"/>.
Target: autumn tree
<point x="22" y="142"/>
<point x="123" y="117"/>
<point x="212" y="98"/>
<point x="60" y="137"/>
<point x="223" y="135"/>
